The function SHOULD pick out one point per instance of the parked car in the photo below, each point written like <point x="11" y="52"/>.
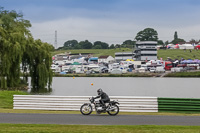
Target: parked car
<point x="116" y="71"/>
<point x="152" y="69"/>
<point x="177" y="69"/>
<point x="188" y="68"/>
<point x="160" y="70"/>
<point x="140" y="70"/>
<point x="104" y="70"/>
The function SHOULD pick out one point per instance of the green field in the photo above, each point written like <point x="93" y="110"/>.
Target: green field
<point x="49" y="128"/>
<point x="184" y="74"/>
<point x="178" y="54"/>
<point x="6" y="98"/>
<point x="96" y="52"/>
<point x="172" y="53"/>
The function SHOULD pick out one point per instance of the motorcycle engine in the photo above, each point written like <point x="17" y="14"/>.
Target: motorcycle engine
<point x="98" y="107"/>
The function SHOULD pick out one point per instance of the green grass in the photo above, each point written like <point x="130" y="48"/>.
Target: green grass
<point x="96" y="52"/>
<point x="178" y="54"/>
<point x="6" y="106"/>
<point x="51" y="128"/>
<point x="172" y="53"/>
<point x="184" y="74"/>
<point x="6" y="98"/>
<point x="78" y="112"/>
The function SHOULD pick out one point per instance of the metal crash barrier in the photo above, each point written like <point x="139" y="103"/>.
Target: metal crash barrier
<point x="49" y="102"/>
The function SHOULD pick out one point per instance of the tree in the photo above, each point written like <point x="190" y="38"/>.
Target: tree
<point x="166" y="43"/>
<point x="13" y="38"/>
<point x="117" y="46"/>
<point x="102" y="45"/>
<point x="112" y="46"/>
<point x="77" y="46"/>
<point x="18" y="47"/>
<point x="193" y="41"/>
<point x="39" y="60"/>
<point x="147" y="34"/>
<point x="175" y="35"/>
<point x="70" y="43"/>
<point x="176" y="39"/>
<point x="129" y="44"/>
<point x="160" y="42"/>
<point x="85" y="44"/>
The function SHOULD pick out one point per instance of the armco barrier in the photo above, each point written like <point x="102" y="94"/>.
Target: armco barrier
<point x="47" y="102"/>
<point x="178" y="105"/>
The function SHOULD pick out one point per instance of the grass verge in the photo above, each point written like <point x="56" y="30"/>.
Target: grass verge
<point x="6" y="106"/>
<point x="50" y="128"/>
<point x="184" y="74"/>
<point x="78" y="112"/>
<point x="6" y="98"/>
<point x="95" y="52"/>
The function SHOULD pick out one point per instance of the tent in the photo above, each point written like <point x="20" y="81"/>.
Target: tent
<point x="129" y="60"/>
<point x="76" y="63"/>
<point x="63" y="73"/>
<point x="186" y="46"/>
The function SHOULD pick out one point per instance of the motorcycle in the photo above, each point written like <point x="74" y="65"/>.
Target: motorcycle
<point x="111" y="107"/>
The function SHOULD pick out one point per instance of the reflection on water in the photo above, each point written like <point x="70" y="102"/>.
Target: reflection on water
<point x="44" y="91"/>
<point x="125" y="86"/>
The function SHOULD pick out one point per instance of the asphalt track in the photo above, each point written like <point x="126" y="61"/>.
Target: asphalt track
<point x="103" y="119"/>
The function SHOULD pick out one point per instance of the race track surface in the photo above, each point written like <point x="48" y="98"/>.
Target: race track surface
<point x="103" y="119"/>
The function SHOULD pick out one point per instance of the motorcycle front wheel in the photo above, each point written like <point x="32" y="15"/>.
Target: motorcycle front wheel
<point x="113" y="110"/>
<point x="86" y="109"/>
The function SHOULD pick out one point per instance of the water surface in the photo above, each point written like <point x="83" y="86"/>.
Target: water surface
<point x="127" y="86"/>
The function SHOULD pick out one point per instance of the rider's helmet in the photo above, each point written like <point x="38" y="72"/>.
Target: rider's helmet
<point x="99" y="91"/>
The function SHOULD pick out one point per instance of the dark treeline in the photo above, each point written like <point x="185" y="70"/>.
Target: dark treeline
<point x="74" y="44"/>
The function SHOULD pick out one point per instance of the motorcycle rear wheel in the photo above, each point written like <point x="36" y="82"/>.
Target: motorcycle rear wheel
<point x="86" y="109"/>
<point x="114" y="111"/>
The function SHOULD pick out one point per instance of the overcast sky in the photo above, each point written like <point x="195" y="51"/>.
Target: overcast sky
<point x="111" y="21"/>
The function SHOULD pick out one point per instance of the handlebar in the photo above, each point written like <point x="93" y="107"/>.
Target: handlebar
<point x="91" y="99"/>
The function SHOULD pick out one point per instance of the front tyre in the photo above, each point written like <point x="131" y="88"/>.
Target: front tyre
<point x="113" y="110"/>
<point x="86" y="109"/>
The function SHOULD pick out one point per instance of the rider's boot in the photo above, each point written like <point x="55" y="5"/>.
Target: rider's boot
<point x="104" y="106"/>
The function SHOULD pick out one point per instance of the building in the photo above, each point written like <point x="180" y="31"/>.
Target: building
<point x="106" y="59"/>
<point x="146" y="50"/>
<point x="121" y="56"/>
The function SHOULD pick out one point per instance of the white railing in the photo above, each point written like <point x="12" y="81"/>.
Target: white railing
<point x="44" y="102"/>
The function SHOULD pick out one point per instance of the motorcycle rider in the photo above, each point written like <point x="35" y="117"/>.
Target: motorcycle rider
<point x="104" y="97"/>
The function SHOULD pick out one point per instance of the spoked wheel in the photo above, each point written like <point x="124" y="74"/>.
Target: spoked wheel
<point x="86" y="109"/>
<point x="113" y="110"/>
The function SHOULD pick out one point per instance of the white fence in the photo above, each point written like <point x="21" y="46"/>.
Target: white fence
<point x="44" y="102"/>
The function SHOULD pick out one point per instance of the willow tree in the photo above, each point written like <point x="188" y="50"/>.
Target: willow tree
<point x="15" y="43"/>
<point x="38" y="59"/>
<point x="13" y="38"/>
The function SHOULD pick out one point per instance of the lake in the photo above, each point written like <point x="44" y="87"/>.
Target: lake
<point x="127" y="86"/>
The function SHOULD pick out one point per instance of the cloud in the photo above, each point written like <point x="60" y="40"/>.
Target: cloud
<point x="112" y="31"/>
<point x="114" y="22"/>
<point x="107" y="30"/>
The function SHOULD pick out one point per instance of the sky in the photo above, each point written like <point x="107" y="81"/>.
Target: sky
<point x="110" y="21"/>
